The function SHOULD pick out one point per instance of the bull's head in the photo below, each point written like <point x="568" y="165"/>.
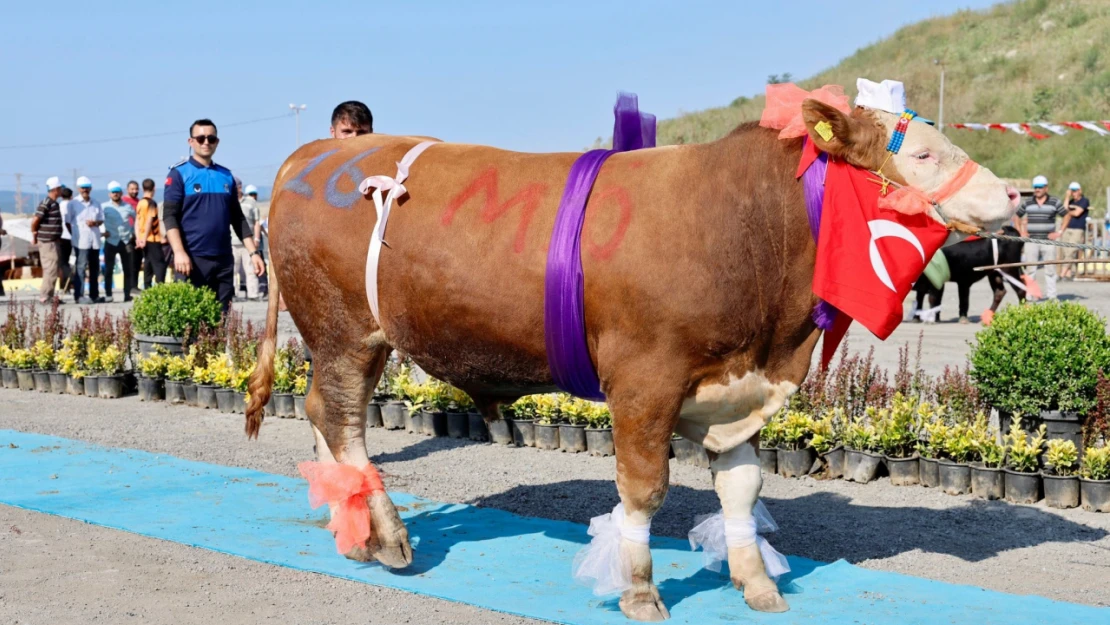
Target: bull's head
<point x="926" y="161"/>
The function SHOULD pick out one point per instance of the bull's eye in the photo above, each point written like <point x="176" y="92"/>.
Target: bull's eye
<point x="922" y="156"/>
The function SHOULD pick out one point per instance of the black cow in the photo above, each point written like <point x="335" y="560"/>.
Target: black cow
<point x="963" y="258"/>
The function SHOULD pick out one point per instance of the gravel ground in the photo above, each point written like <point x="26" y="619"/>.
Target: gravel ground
<point x="107" y="574"/>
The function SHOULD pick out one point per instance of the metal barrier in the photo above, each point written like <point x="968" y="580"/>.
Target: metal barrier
<point x="1095" y="234"/>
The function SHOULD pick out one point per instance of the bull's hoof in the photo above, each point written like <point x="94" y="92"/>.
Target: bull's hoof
<point x="359" y="554"/>
<point x="965" y="320"/>
<point x="393" y="556"/>
<point x="644" y="605"/>
<point x="767" y="601"/>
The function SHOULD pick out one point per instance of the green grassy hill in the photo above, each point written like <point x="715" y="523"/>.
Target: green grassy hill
<point x="1034" y="60"/>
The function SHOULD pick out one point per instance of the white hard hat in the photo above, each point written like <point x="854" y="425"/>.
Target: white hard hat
<point x="84" y="182"/>
<point x="1040" y="181"/>
<point x="53" y="182"/>
<point x="250" y="189"/>
<point x="1074" y="186"/>
<point x="114" y="186"/>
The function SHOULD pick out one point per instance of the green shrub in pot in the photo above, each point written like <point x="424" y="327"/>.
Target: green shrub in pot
<point x="598" y="416"/>
<point x="770" y="436"/>
<point x="860" y="435"/>
<point x="933" y="436"/>
<point x="1063" y="457"/>
<point x="825" y="432"/>
<point x="1096" y="463"/>
<point x="1041" y="358"/>
<point x="896" y="428"/>
<point x="959" y="444"/>
<point x="171" y="309"/>
<point x="987" y="447"/>
<point x="797" y="430"/>
<point x="1023" y="451"/>
<point x="547" y="408"/>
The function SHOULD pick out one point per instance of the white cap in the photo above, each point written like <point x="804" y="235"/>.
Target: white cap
<point x="889" y="95"/>
<point x="114" y="186"/>
<point x="250" y="189"/>
<point x="84" y="182"/>
<point x="1074" y="186"/>
<point x="53" y="182"/>
<point x="1040" y="181"/>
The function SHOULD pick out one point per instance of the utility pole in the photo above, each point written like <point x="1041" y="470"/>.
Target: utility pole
<point x="35" y="187"/>
<point x="74" y="177"/>
<point x="297" y="111"/>
<point x="940" y="114"/>
<point x="18" y="194"/>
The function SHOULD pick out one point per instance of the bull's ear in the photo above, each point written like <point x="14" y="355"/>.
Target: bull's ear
<point x="855" y="138"/>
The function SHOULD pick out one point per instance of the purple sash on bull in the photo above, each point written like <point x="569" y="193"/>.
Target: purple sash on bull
<point x="564" y="304"/>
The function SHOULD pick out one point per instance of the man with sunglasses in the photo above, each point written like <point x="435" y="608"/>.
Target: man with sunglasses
<point x="201" y="205"/>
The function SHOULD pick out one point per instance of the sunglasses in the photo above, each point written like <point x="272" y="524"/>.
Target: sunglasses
<point x="202" y="139"/>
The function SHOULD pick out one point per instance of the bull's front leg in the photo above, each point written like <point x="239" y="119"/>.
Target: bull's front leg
<point x="738" y="480"/>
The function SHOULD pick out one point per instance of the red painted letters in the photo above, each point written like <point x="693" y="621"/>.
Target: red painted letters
<point x="620" y="197"/>
<point x="486" y="184"/>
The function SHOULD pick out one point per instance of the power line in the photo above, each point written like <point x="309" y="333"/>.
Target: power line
<point x="133" y="137"/>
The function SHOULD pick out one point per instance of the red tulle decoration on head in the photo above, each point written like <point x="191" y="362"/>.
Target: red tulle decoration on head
<point x="783" y="110"/>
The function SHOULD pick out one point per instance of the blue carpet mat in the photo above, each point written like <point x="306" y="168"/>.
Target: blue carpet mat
<point x="479" y="556"/>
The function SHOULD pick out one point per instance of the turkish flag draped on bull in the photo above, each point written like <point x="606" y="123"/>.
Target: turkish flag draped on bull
<point x="867" y="257"/>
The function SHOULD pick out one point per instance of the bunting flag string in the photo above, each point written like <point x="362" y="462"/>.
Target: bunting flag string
<point x="1102" y="127"/>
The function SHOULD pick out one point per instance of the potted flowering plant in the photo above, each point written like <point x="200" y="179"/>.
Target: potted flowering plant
<point x="572" y="432"/>
<point x="1059" y="476"/>
<point x="987" y="479"/>
<point x="826" y="442"/>
<point x="23" y="360"/>
<point x="769" y="439"/>
<point x="897" y="433"/>
<point x="861" y="464"/>
<point x="523" y="412"/>
<point x="152" y="375"/>
<point x="599" y="429"/>
<point x="1094" y="485"/>
<point x="179" y="375"/>
<point x="300" y="389"/>
<point x="955" y="466"/>
<point x="930" y="447"/>
<point x="222" y="373"/>
<point x="547" y="421"/>
<point x="43" y="354"/>
<point x="796" y="456"/>
<point x="1023" y="481"/>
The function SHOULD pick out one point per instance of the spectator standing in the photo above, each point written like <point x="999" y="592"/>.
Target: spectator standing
<point x="1074" y="228"/>
<point x="148" y="238"/>
<point x="201" y="205"/>
<point x="46" y="232"/>
<point x="243" y="259"/>
<point x="119" y="234"/>
<point x="86" y="218"/>
<point x="65" y="245"/>
<point x="351" y="119"/>
<point x="132" y="198"/>
<point x="1036" y="219"/>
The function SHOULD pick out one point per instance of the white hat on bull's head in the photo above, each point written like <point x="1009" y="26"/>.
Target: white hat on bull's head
<point x="889" y="95"/>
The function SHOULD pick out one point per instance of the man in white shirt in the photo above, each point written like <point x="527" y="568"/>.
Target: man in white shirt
<point x="65" y="247"/>
<point x="86" y="218"/>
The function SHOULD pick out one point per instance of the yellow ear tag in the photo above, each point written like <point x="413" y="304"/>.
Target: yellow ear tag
<point x="824" y="129"/>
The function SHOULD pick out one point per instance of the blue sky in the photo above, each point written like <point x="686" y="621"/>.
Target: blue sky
<point x="526" y="76"/>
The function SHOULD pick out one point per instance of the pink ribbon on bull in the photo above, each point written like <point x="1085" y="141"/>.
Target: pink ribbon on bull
<point x="913" y="201"/>
<point x="347" y="487"/>
<point x="783" y="110"/>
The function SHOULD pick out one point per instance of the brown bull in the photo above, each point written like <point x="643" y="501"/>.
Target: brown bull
<point x="698" y="264"/>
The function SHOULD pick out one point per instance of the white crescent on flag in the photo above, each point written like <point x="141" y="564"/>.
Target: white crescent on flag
<point x="885" y="228"/>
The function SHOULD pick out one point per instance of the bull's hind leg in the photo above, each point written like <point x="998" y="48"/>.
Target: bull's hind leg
<point x="643" y="421"/>
<point x="336" y="406"/>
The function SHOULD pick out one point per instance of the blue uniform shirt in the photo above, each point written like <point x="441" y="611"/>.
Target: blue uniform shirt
<point x="208" y="199"/>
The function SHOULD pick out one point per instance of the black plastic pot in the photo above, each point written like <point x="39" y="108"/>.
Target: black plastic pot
<point x="206" y="397"/>
<point x="1095" y="495"/>
<point x="10" y="377"/>
<point x="75" y="386"/>
<point x="458" y="424"/>
<point x="26" y="378"/>
<point x="929" y="472"/>
<point x="1060" y="491"/>
<point x="547" y="436"/>
<point x="769" y="460"/>
<point x="1064" y="425"/>
<point x="190" y="390"/>
<point x="42" y="381"/>
<point x="373" y="415"/>
<point x="834" y="461"/>
<point x="903" y="471"/>
<point x="955" y="479"/>
<point x="860" y="466"/>
<point x="171" y="344"/>
<point x="111" y="386"/>
<point x="151" y="389"/>
<point x="796" y="462"/>
<point x="439" y="424"/>
<point x="688" y="452"/>
<point x="239" y="402"/>
<point x="599" y="442"/>
<point x="572" y="438"/>
<point x="92" y="386"/>
<point x="1023" y="487"/>
<point x="224" y="400"/>
<point x="58" y="382"/>
<point x="414" y="421"/>
<point x="393" y="415"/>
<point x="299" y="411"/>
<point x="175" y="391"/>
<point x="479" y="431"/>
<point x="501" y="431"/>
<point x="524" y="432"/>
<point x="987" y="483"/>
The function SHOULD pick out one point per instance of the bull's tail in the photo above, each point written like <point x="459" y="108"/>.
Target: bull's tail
<point x="261" y="383"/>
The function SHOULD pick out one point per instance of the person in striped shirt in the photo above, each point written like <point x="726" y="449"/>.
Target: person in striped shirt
<point x="1036" y="219"/>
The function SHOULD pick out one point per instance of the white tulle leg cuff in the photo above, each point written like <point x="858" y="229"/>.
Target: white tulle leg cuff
<point x="599" y="564"/>
<point x="715" y="534"/>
